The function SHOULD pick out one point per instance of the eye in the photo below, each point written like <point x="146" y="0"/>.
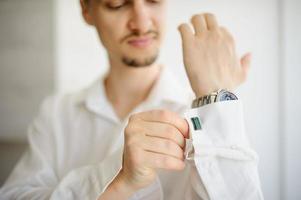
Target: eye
<point x="117" y="5"/>
<point x="154" y="1"/>
<point x="114" y="7"/>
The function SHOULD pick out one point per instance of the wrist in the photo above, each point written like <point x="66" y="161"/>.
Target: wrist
<point x="119" y="189"/>
<point x="122" y="185"/>
<point x="202" y="93"/>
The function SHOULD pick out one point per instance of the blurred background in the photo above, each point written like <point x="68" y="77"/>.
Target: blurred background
<point x="46" y="48"/>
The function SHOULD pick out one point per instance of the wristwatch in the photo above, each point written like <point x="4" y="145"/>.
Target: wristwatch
<point x="217" y="96"/>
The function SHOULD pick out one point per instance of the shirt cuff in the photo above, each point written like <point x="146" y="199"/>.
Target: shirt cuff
<point x="217" y="129"/>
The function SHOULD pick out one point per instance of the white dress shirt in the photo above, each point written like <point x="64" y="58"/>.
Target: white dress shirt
<point x="76" y="145"/>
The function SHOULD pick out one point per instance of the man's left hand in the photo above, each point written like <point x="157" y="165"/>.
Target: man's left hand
<point x="209" y="56"/>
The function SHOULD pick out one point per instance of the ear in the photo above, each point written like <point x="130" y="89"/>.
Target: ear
<point x="86" y="12"/>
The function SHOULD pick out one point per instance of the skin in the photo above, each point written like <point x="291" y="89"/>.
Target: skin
<point x="116" y="28"/>
<point x="155" y="139"/>
<point x="210" y="58"/>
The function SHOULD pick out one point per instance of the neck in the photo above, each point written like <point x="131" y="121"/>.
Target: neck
<point x="126" y="87"/>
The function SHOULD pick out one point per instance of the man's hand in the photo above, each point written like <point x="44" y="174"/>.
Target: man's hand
<point x="153" y="140"/>
<point x="209" y="56"/>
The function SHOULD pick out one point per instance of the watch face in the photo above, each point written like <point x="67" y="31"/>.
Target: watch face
<point x="226" y="96"/>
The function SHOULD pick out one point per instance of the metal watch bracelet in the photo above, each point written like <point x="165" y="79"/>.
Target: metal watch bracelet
<point x="220" y="95"/>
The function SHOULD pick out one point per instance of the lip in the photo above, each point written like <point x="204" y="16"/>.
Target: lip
<point x="141" y="42"/>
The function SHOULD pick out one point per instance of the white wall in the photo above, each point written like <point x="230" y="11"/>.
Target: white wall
<point x="291" y="115"/>
<point x="79" y="57"/>
<point x="26" y="63"/>
<point x="255" y="26"/>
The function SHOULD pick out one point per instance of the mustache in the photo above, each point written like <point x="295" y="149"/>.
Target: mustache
<point x="139" y="34"/>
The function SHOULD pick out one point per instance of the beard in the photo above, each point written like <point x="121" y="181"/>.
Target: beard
<point x="132" y="62"/>
<point x="138" y="62"/>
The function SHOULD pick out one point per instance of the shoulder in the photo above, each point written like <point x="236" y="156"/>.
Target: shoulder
<point x="58" y="107"/>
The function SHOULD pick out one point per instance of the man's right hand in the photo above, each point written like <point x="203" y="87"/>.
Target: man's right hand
<point x="153" y="140"/>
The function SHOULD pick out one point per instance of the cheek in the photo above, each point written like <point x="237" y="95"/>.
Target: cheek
<point x="160" y="19"/>
<point x="160" y="25"/>
<point x="110" y="29"/>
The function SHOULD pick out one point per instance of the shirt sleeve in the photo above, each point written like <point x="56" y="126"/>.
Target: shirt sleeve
<point x="88" y="182"/>
<point x="36" y="175"/>
<point x="223" y="165"/>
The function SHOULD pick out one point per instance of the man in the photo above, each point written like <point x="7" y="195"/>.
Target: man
<point x="125" y="136"/>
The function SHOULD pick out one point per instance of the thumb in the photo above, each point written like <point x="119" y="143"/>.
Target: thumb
<point x="245" y="63"/>
<point x="246" y="60"/>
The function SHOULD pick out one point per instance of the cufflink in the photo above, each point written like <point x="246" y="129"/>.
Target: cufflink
<point x="196" y="123"/>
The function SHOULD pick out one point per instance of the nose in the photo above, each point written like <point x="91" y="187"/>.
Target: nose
<point x="140" y="21"/>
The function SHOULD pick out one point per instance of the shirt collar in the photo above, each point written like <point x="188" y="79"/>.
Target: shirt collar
<point x="167" y="89"/>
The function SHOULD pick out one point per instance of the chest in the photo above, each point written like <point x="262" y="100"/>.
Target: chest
<point x="87" y="140"/>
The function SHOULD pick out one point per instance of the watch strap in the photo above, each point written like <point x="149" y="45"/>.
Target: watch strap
<point x="220" y="95"/>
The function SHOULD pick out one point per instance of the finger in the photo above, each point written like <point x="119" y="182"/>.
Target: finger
<point x="211" y="21"/>
<point x="163" y="130"/>
<point x="185" y="31"/>
<point x="161" y="161"/>
<point x="163" y="146"/>
<point x="246" y="60"/>
<point x="227" y="34"/>
<point x="165" y="116"/>
<point x="199" y="24"/>
<point x="245" y="66"/>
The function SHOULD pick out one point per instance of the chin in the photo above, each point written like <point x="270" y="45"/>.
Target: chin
<point x="140" y="61"/>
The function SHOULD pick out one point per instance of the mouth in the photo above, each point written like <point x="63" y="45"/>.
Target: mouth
<point x="142" y="42"/>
